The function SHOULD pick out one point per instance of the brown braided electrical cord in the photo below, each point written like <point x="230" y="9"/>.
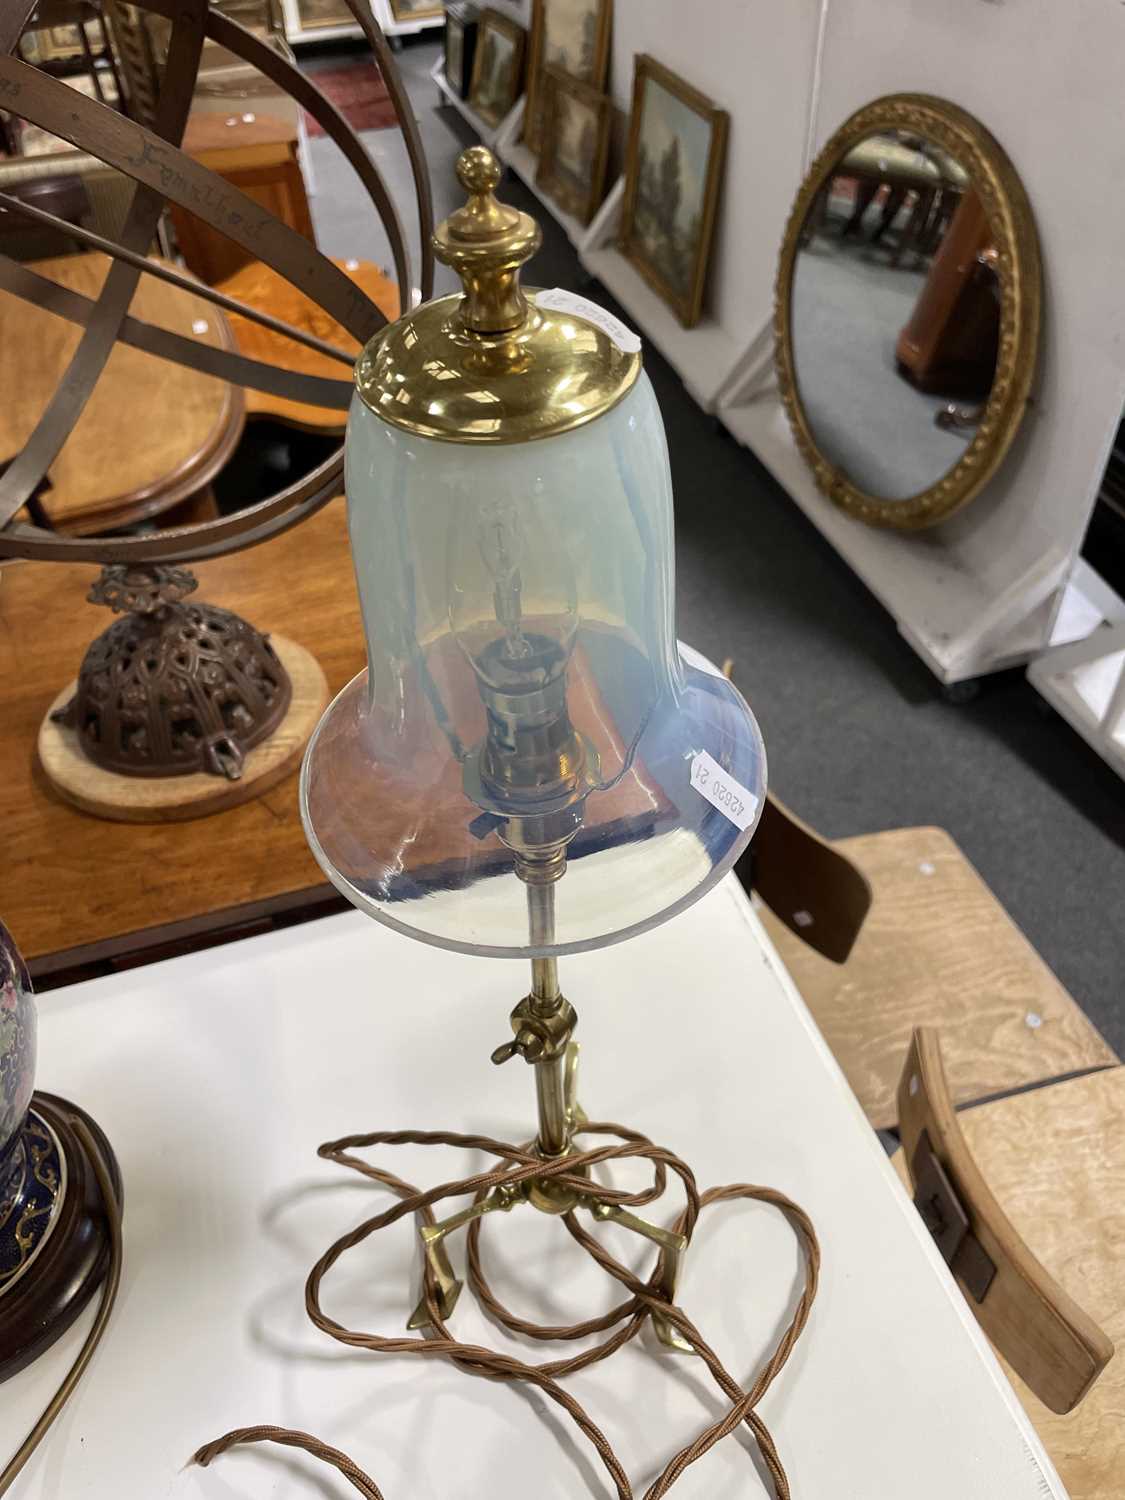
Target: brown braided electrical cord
<point x="521" y="1165"/>
<point x="101" y="1319"/>
<point x="293" y="1439"/>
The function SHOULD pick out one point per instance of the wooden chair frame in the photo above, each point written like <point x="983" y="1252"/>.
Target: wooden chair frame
<point x="1037" y="1326"/>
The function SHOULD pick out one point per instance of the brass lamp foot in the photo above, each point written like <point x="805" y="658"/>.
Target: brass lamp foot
<point x="437" y="1259"/>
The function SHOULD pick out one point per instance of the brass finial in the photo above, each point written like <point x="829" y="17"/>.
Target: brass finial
<point x="486" y="243"/>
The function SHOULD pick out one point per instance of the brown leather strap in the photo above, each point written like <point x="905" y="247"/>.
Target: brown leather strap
<point x="24" y="475"/>
<point x="156" y="163"/>
<point x="186" y="282"/>
<point x="237" y="369"/>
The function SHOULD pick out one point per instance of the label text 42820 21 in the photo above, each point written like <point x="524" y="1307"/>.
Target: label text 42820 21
<point x="722" y="790"/>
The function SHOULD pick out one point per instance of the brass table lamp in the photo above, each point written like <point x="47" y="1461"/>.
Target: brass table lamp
<point x="528" y="767"/>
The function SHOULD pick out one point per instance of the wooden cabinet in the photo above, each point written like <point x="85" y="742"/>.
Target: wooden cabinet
<point x="949" y="345"/>
<point x="269" y="172"/>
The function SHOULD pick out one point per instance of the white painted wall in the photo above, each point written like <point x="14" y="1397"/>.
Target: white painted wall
<point x="753" y="58"/>
<point x="1044" y="76"/>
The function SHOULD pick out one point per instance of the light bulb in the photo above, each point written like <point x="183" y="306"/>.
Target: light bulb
<point x="513" y="603"/>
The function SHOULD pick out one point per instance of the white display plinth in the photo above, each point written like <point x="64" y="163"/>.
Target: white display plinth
<point x="944" y="598"/>
<point x="1083" y="674"/>
<point x="216" y="1075"/>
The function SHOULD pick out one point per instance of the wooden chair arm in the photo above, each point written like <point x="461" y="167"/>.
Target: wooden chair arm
<point x="1041" y="1331"/>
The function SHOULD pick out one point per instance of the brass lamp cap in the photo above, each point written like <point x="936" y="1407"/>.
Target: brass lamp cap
<point x="490" y="365"/>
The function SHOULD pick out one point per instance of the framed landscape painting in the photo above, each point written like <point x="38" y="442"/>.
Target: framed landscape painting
<point x="497" y="66"/>
<point x="571" y="36"/>
<point x="673" y="166"/>
<point x="323" y="13"/>
<point x="416" y="10"/>
<point x="572" y="161"/>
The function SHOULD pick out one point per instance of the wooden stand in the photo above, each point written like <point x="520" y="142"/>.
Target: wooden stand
<point x="140" y="799"/>
<point x="64" y="1276"/>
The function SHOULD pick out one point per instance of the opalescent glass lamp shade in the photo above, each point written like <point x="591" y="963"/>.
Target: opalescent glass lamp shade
<point x="525" y="704"/>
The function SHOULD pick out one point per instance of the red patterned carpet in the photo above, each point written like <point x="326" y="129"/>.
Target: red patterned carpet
<point x="358" y="92"/>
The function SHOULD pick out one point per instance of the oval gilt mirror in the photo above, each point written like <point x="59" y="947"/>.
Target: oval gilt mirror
<point x="907" y="311"/>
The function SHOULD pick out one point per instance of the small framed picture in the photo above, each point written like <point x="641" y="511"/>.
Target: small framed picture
<point x="575" y="144"/>
<point x="497" y="66"/>
<point x="322" y="14"/>
<point x="571" y="36"/>
<point x="460" y="46"/>
<point x="673" y="167"/>
<point x="416" y="10"/>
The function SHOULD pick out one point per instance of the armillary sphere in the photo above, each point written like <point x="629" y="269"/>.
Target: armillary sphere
<point x="148" y="151"/>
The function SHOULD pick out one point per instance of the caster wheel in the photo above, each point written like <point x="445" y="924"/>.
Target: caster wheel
<point x="958" y="693"/>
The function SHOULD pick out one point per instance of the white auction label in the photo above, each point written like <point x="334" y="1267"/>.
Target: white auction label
<point x="722" y="791"/>
<point x="558" y="300"/>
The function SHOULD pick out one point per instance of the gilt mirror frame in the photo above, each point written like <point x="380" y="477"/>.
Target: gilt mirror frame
<point x="1018" y="269"/>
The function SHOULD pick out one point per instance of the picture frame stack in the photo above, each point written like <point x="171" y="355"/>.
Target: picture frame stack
<point x="568" y="116"/>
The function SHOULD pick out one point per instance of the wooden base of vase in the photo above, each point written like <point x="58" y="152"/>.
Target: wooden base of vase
<point x="42" y="1304"/>
<point x="164" y="799"/>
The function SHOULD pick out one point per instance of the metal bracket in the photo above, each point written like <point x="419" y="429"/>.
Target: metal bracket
<point x="944" y="1216"/>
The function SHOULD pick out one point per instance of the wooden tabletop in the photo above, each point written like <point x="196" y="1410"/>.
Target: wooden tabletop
<point x="77" y="888"/>
<point x="263" y="288"/>
<point x="153" y="432"/>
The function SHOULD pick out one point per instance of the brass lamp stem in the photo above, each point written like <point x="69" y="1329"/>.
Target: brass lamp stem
<point x="547" y="1002"/>
<point x="543" y="1023"/>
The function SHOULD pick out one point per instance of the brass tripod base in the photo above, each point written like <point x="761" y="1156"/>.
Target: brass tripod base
<point x="672" y="1246"/>
<point x="550" y="1196"/>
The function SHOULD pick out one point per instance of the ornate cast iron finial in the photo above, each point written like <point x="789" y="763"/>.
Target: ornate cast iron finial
<point x="135" y="590"/>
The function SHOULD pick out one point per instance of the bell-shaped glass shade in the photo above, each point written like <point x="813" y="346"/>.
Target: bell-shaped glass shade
<point x="525" y="702"/>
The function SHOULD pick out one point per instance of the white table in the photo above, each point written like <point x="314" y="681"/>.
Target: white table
<point x="217" y="1075"/>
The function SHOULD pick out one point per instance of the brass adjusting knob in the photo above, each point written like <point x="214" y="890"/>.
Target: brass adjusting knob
<point x="526" y="1042"/>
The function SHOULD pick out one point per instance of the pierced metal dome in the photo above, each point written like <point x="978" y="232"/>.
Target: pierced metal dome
<point x="173" y="687"/>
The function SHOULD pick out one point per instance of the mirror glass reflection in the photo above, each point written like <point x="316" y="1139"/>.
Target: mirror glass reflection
<point x="895" y="315"/>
